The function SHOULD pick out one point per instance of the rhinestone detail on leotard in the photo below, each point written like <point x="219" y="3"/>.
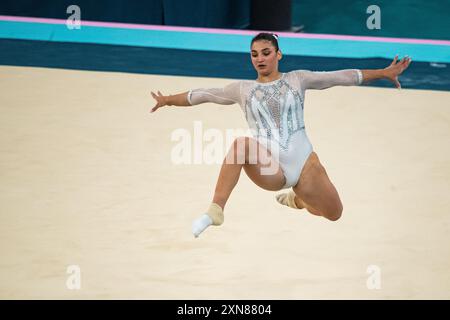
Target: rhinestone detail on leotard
<point x="276" y="111"/>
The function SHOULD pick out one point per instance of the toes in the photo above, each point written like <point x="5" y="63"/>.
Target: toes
<point x="281" y="198"/>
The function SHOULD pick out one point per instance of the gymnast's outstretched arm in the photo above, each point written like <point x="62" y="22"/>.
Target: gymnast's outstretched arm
<point x="230" y="94"/>
<point x="180" y="99"/>
<point x="349" y="77"/>
<point x="391" y="72"/>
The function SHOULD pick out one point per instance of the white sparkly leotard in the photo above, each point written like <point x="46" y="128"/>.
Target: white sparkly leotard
<point x="274" y="111"/>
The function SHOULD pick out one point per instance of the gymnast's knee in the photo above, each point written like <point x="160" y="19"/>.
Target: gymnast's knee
<point x="334" y="213"/>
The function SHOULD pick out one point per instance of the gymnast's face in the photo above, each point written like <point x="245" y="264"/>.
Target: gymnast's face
<point x="265" y="57"/>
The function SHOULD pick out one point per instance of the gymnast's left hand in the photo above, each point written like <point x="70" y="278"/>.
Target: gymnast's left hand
<point x="395" y="69"/>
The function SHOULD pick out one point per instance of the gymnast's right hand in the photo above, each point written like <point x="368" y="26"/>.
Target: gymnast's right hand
<point x="161" y="101"/>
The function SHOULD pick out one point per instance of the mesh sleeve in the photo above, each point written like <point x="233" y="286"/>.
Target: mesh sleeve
<point x="326" y="79"/>
<point x="230" y="94"/>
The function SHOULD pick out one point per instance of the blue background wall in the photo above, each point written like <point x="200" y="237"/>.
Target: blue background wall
<point x="428" y="19"/>
<point x="196" y="13"/>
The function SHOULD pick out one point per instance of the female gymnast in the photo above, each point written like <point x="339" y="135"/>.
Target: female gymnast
<point x="273" y="107"/>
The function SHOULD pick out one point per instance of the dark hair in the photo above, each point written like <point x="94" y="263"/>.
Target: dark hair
<point x="272" y="37"/>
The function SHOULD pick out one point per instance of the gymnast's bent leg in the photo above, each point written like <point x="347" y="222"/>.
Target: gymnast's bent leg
<point x="261" y="168"/>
